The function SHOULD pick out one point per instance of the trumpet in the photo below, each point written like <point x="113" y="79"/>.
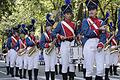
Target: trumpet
<point x="21" y="52"/>
<point x="107" y="46"/>
<point x="115" y="49"/>
<point x="4" y="51"/>
<point x="48" y="50"/>
<point x="31" y="51"/>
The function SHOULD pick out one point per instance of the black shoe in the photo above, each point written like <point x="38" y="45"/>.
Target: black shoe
<point x="115" y="70"/>
<point x="35" y="74"/>
<point x="98" y="78"/>
<point x="52" y="75"/>
<point x="71" y="75"/>
<point x="84" y="72"/>
<point x="47" y="75"/>
<point x="60" y="69"/>
<point x="12" y="71"/>
<point x="30" y="74"/>
<point x="88" y="78"/>
<point x="111" y="70"/>
<point x="64" y="75"/>
<point x="16" y="71"/>
<point x="68" y="71"/>
<point x="106" y="74"/>
<point x="20" y="72"/>
<point x="79" y="67"/>
<point x="8" y="70"/>
<point x="24" y="73"/>
<point x="56" y="70"/>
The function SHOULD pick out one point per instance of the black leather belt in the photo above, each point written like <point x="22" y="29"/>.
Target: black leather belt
<point x="70" y="40"/>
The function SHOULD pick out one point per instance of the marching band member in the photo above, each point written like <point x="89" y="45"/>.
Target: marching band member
<point x="115" y="56"/>
<point x="65" y="31"/>
<point x="22" y="52"/>
<point x="12" y="44"/>
<point x="5" y="51"/>
<point x="33" y="53"/>
<point x="110" y="39"/>
<point x="58" y="61"/>
<point x="93" y="42"/>
<point x="45" y="43"/>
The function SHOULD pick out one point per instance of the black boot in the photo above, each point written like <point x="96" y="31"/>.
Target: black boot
<point x="111" y="70"/>
<point x="30" y="74"/>
<point x="56" y="70"/>
<point x="71" y="75"/>
<point x="8" y="70"/>
<point x="20" y="72"/>
<point x="24" y="73"/>
<point x="64" y="75"/>
<point x="60" y="69"/>
<point x="98" y="78"/>
<point x="16" y="71"/>
<point x="88" y="78"/>
<point x="12" y="71"/>
<point x="47" y="75"/>
<point x="68" y="71"/>
<point x="52" y="75"/>
<point x="35" y="74"/>
<point x="84" y="72"/>
<point x="115" y="70"/>
<point x="106" y="74"/>
<point x="79" y="67"/>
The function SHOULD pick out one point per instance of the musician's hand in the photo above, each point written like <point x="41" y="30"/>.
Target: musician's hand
<point x="103" y="28"/>
<point x="113" y="48"/>
<point x="79" y="37"/>
<point x="62" y="37"/>
<point x="50" y="44"/>
<point x="99" y="49"/>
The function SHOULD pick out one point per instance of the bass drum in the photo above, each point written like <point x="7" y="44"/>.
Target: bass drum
<point x="76" y="52"/>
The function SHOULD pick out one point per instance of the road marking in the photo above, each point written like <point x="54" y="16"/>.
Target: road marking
<point x="3" y="72"/>
<point x="2" y="61"/>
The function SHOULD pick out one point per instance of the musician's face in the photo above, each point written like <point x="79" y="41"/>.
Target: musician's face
<point x="48" y="28"/>
<point x="68" y="16"/>
<point x="32" y="33"/>
<point x="22" y="36"/>
<point x="16" y="34"/>
<point x="92" y="13"/>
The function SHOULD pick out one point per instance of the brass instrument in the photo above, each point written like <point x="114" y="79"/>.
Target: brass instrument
<point x="115" y="49"/>
<point x="4" y="51"/>
<point x="31" y="51"/>
<point x="21" y="52"/>
<point x="107" y="46"/>
<point x="48" y="50"/>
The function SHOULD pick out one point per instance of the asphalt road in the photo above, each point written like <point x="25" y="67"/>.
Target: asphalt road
<point x="41" y="76"/>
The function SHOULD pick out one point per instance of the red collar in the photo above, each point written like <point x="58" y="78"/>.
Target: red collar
<point x="67" y="20"/>
<point x="93" y="18"/>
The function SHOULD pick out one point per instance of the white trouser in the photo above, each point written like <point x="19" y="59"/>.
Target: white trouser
<point x="65" y="57"/>
<point x="114" y="58"/>
<point x="50" y="60"/>
<point x="13" y="56"/>
<point x="21" y="58"/>
<point x="33" y="60"/>
<point x="8" y="59"/>
<point x="90" y="54"/>
<point x="107" y="58"/>
<point x="25" y="61"/>
<point x="17" y="61"/>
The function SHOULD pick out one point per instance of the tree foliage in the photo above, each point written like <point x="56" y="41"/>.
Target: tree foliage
<point x="13" y="12"/>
